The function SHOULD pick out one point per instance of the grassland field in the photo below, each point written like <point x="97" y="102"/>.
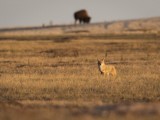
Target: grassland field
<point x="58" y="78"/>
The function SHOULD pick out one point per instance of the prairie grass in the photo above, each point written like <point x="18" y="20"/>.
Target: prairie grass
<point x="46" y="70"/>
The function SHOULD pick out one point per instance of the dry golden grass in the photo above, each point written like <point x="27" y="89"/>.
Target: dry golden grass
<point x="67" y="72"/>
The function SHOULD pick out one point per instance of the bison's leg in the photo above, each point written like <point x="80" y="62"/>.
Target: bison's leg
<point x="84" y="22"/>
<point x="80" y="21"/>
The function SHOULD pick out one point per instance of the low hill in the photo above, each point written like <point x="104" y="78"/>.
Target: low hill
<point x="149" y="25"/>
<point x="138" y="26"/>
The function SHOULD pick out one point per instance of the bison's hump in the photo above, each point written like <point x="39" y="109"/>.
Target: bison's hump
<point x="82" y="12"/>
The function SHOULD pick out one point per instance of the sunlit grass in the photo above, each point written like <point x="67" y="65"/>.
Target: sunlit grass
<point x="38" y="71"/>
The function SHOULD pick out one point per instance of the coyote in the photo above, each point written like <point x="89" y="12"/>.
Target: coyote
<point x="106" y="69"/>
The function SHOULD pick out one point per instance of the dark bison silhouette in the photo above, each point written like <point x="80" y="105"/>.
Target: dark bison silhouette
<point x="82" y="16"/>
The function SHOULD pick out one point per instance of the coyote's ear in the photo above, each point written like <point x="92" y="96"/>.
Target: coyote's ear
<point x="99" y="61"/>
<point x="103" y="59"/>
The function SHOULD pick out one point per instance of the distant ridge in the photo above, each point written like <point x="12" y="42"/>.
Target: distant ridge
<point x="144" y="25"/>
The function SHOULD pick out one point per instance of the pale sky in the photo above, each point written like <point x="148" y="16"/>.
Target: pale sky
<point x="15" y="13"/>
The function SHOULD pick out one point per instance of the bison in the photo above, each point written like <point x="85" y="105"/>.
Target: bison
<point x="82" y="16"/>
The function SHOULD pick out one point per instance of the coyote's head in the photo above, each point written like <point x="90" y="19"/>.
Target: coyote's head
<point x="100" y="64"/>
